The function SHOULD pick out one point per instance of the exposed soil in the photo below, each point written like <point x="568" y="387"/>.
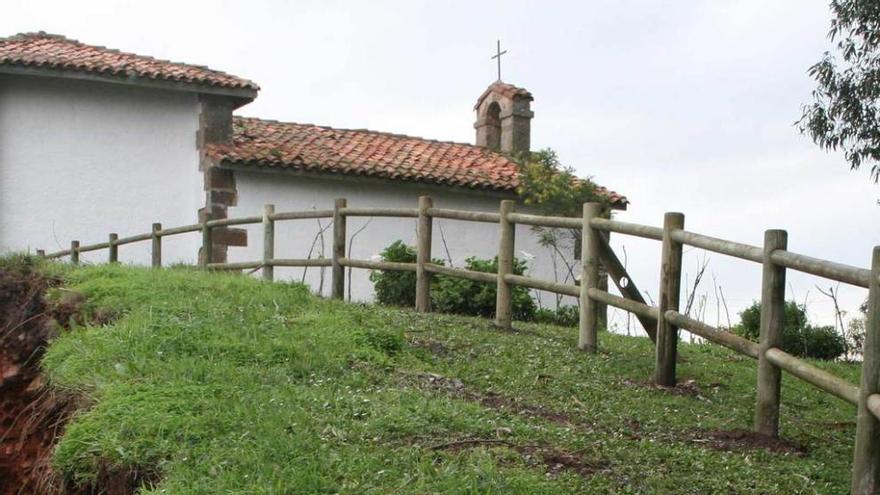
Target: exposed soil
<point x="553" y="461"/>
<point x="729" y="440"/>
<point x="32" y="415"/>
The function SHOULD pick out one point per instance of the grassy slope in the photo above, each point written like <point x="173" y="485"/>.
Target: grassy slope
<point x="229" y="385"/>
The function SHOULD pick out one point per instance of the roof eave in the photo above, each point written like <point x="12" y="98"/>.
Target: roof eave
<point x="241" y="96"/>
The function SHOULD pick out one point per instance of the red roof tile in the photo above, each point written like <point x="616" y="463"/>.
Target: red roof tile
<point x="313" y="148"/>
<point x="506" y="90"/>
<point x="49" y="51"/>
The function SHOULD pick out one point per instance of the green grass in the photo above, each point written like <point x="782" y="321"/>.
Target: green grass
<point x="225" y="384"/>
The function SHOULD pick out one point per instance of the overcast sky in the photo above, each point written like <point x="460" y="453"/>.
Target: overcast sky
<point x="682" y="105"/>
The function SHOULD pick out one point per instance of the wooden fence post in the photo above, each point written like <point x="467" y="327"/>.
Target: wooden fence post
<point x="74" y="252"/>
<point x="207" y="245"/>
<point x="503" y="300"/>
<point x="268" y="243"/>
<point x="588" y="337"/>
<point x="668" y="298"/>
<point x="338" y="279"/>
<point x="772" y="322"/>
<point x="156" y="246"/>
<point x="866" y="458"/>
<point x="113" y="248"/>
<point x="423" y="255"/>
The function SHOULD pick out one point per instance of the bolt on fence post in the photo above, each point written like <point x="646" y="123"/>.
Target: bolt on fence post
<point x="113" y="248"/>
<point x="338" y="278"/>
<point x="156" y="246"/>
<point x="423" y="256"/>
<point x="588" y="336"/>
<point x="74" y="252"/>
<point x="668" y="299"/>
<point x="268" y="270"/>
<point x="503" y="300"/>
<point x="866" y="457"/>
<point x="207" y="245"/>
<point x="772" y="322"/>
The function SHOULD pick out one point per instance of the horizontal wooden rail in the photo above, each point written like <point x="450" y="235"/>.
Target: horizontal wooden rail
<point x="302" y="215"/>
<point x="819" y="378"/>
<point x="735" y="249"/>
<point x="58" y="254"/>
<point x="184" y="229"/>
<point x="470" y="216"/>
<point x="244" y="265"/>
<point x="94" y="247"/>
<point x="712" y="334"/>
<point x="380" y="212"/>
<point x="634" y="307"/>
<point x="378" y="265"/>
<point x="461" y="273"/>
<point x="536" y="283"/>
<point x="874" y="405"/>
<point x="633" y="229"/>
<point x="542" y="221"/>
<point x="828" y="269"/>
<point x="299" y="262"/>
<point x="225" y="222"/>
<point x="134" y="238"/>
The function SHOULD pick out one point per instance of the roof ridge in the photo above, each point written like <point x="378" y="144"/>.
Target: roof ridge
<point x="375" y="132"/>
<point x="117" y="51"/>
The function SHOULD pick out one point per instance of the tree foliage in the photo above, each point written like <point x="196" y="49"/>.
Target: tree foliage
<point x="552" y="188"/>
<point x="844" y="112"/>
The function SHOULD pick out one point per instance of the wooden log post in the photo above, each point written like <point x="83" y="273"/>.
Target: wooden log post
<point x="74" y="252"/>
<point x="423" y="256"/>
<point x="268" y="270"/>
<point x="506" y="246"/>
<point x="156" y="246"/>
<point x="207" y="245"/>
<point x="112" y="248"/>
<point x="772" y="322"/>
<point x="588" y="335"/>
<point x="338" y="277"/>
<point x="866" y="457"/>
<point x="668" y="299"/>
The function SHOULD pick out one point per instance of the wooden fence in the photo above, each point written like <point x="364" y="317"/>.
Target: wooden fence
<point x="661" y="322"/>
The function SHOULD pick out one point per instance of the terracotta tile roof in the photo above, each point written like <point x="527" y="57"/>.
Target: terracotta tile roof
<point x="49" y="51"/>
<point x="506" y="90"/>
<point x="312" y="148"/>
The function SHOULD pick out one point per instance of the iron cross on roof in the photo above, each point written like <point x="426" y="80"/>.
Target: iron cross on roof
<point x="498" y="54"/>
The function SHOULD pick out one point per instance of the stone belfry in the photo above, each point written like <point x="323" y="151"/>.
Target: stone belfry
<point x="504" y="118"/>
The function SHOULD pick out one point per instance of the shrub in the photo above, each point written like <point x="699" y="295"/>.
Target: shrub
<point x="565" y="316"/>
<point x="467" y="297"/>
<point x="798" y="336"/>
<point x="395" y="288"/>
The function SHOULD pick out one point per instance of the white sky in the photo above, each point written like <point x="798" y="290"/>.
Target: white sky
<point x="683" y="106"/>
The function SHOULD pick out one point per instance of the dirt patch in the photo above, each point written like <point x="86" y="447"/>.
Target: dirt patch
<point x="492" y="400"/>
<point x="552" y="461"/>
<point x="435" y="347"/>
<point x="685" y="388"/>
<point x="731" y="440"/>
<point x="33" y="310"/>
<point x="116" y="481"/>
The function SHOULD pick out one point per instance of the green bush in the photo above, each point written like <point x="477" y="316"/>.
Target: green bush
<point x="396" y="288"/>
<point x="448" y="294"/>
<point x="799" y="337"/>
<point x="564" y="316"/>
<point x="467" y="297"/>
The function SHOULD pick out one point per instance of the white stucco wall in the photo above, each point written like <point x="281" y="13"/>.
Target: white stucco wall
<point x="294" y="238"/>
<point x="79" y="160"/>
